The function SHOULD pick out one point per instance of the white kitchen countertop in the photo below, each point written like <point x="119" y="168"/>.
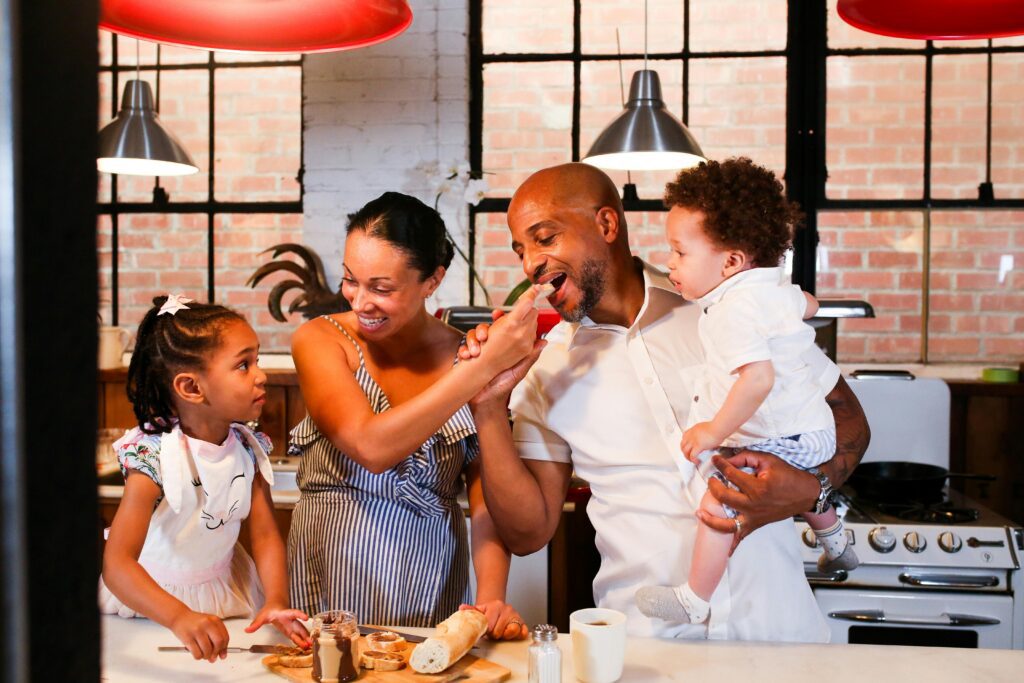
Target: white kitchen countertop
<point x="130" y="654"/>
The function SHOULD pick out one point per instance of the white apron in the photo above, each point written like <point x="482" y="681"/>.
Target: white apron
<point x="191" y="546"/>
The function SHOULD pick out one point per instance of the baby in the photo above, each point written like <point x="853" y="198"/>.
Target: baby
<point x="756" y="392"/>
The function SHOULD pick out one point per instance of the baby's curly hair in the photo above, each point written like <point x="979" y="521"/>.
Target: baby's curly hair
<point x="744" y="207"/>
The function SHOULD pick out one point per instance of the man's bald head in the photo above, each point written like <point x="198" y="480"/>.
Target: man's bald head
<point x="571" y="186"/>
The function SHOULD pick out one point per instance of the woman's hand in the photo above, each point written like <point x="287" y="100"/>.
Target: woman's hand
<point x="503" y="621"/>
<point x="285" y="620"/>
<point x="203" y="634"/>
<point x="511" y="338"/>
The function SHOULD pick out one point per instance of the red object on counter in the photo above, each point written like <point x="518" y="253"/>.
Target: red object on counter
<point x="936" y="19"/>
<point x="264" y="26"/>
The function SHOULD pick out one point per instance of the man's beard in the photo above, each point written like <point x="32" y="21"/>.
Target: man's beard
<point x="591" y="285"/>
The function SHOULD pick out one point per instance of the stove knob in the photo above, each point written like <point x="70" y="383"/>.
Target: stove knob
<point x="810" y="539"/>
<point x="881" y="539"/>
<point x="915" y="542"/>
<point x="950" y="542"/>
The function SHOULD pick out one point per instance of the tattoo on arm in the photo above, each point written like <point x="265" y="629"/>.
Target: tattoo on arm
<point x="852" y="433"/>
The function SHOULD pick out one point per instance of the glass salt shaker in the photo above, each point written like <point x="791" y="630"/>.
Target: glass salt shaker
<point x="545" y="657"/>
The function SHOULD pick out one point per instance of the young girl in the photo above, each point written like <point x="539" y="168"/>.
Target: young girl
<point x="729" y="226"/>
<point x="193" y="472"/>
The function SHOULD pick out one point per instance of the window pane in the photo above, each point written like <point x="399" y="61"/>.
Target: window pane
<point x="977" y="287"/>
<point x="105" y="47"/>
<point x="841" y="34"/>
<point x="527" y="121"/>
<point x="527" y="26"/>
<point x="158" y="254"/>
<point x="647" y="236"/>
<point x="183" y="104"/>
<point x="600" y="18"/>
<point x="498" y="265"/>
<point x="875" y="119"/>
<point x="172" y="54"/>
<point x="104" y="257"/>
<point x="1008" y="125"/>
<point x="877" y="257"/>
<point x="128" y="47"/>
<point x="731" y="25"/>
<point x="601" y="103"/>
<point x="258" y="133"/>
<point x="104" y="86"/>
<point x="239" y="240"/>
<point x="738" y="107"/>
<point x="958" y="125"/>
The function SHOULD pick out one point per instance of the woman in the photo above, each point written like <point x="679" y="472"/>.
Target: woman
<point x="388" y="436"/>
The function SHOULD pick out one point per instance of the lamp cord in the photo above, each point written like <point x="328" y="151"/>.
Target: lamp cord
<point x="645" y="35"/>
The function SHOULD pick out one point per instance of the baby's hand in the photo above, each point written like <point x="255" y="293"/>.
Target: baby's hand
<point x="698" y="439"/>
<point x="203" y="634"/>
<point x="285" y="620"/>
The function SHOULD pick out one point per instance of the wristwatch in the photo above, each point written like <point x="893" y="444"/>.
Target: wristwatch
<point x="824" y="501"/>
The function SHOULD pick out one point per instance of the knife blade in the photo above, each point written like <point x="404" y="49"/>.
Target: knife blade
<point x="367" y="630"/>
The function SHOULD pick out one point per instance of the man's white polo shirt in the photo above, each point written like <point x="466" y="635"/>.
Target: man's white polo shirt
<point x="612" y="401"/>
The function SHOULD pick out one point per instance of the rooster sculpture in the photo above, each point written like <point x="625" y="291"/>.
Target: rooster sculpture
<point x="315" y="298"/>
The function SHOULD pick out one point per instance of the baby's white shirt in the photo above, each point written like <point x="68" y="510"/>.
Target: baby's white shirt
<point x="757" y="315"/>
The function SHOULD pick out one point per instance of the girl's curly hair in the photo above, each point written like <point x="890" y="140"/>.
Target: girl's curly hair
<point x="165" y="345"/>
<point x="744" y="206"/>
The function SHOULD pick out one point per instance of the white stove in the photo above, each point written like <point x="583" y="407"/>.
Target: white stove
<point x="945" y="574"/>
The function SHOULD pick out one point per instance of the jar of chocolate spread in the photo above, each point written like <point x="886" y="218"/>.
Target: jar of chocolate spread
<point x="335" y="659"/>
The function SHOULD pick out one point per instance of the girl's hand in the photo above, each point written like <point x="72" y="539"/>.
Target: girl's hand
<point x="203" y="634"/>
<point x="697" y="439"/>
<point x="285" y="620"/>
<point x="503" y="621"/>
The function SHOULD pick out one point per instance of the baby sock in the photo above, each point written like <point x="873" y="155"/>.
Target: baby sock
<point x="679" y="604"/>
<point x="837" y="553"/>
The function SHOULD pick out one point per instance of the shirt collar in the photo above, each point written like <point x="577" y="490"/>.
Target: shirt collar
<point x="656" y="284"/>
<point x="754" y="277"/>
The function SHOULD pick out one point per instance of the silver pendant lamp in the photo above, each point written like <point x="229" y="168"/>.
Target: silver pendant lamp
<point x="136" y="143"/>
<point x="646" y="136"/>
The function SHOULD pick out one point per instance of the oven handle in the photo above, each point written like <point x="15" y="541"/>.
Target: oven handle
<point x="837" y="577"/>
<point x="949" y="581"/>
<point x="877" y="616"/>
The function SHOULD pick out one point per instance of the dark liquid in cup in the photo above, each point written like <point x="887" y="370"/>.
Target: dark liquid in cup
<point x="597" y="623"/>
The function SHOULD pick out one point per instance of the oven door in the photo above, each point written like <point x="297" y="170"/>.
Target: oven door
<point x="928" y="618"/>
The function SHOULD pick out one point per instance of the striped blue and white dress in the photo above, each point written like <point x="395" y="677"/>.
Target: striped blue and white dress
<point x="391" y="547"/>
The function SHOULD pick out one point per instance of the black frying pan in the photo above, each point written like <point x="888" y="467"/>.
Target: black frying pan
<point x="900" y="482"/>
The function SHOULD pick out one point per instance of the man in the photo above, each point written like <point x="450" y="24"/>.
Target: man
<point x="608" y="397"/>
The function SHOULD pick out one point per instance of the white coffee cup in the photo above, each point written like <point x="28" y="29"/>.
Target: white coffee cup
<point x="598" y="644"/>
<point x="112" y="343"/>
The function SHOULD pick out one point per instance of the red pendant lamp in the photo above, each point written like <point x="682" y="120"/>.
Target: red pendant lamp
<point x="258" y="25"/>
<point x="936" y="19"/>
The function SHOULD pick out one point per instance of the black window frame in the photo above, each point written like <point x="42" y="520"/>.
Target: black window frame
<point x="161" y="203"/>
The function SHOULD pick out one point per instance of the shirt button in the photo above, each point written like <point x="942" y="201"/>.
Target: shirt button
<point x="696" y="399"/>
<point x="648" y="380"/>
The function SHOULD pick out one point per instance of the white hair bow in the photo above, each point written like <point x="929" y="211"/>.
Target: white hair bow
<point x="174" y="303"/>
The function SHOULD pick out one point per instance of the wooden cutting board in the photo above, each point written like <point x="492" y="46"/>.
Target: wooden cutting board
<point x="477" y="670"/>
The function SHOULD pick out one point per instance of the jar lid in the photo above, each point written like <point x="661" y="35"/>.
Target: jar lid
<point x="545" y="632"/>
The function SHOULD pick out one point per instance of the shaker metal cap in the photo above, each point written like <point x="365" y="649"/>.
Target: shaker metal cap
<point x="545" y="632"/>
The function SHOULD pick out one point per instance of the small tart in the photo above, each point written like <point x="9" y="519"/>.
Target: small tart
<point x="386" y="641"/>
<point x="382" y="661"/>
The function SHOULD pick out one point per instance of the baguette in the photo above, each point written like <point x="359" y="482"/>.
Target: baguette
<point x="386" y="641"/>
<point x="454" y="638"/>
